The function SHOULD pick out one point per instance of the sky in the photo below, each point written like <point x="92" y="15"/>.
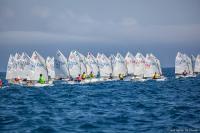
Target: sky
<point x="161" y="27"/>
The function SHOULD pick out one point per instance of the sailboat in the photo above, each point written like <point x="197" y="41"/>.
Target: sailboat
<point x="74" y="65"/>
<point x="183" y="66"/>
<point x="104" y="64"/>
<point x="61" y="66"/>
<point x="10" y="69"/>
<point x="38" y="67"/>
<point x="152" y="67"/>
<point x="130" y="63"/>
<point x="139" y="67"/>
<point x="27" y="66"/>
<point x="50" y="68"/>
<point x="15" y="69"/>
<point x="82" y="62"/>
<point x="119" y="66"/>
<point x="189" y="63"/>
<point x="93" y="64"/>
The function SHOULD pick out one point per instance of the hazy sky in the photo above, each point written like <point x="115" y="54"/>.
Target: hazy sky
<point x="162" y="27"/>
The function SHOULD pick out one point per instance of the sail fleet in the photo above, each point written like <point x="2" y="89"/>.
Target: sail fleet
<point x="28" y="69"/>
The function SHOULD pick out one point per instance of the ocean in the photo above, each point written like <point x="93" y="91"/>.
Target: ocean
<point x="110" y="107"/>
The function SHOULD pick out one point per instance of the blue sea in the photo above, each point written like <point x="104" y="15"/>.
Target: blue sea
<point x="111" y="107"/>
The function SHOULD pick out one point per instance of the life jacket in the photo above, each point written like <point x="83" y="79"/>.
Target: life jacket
<point x="41" y="80"/>
<point x="121" y="77"/>
<point x="79" y="78"/>
<point x="83" y="76"/>
<point x="1" y="83"/>
<point x="17" y="79"/>
<point x="156" y="76"/>
<point x="91" y="75"/>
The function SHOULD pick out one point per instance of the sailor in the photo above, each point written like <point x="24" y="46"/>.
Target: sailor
<point x="156" y="76"/>
<point x="110" y="76"/>
<point x="1" y="83"/>
<point x="78" y="78"/>
<point x="83" y="76"/>
<point x="70" y="78"/>
<point x="17" y="80"/>
<point x="98" y="74"/>
<point x="121" y="77"/>
<point x="29" y="82"/>
<point x="24" y="80"/>
<point x="41" y="79"/>
<point x="49" y="77"/>
<point x="91" y="75"/>
<point x="184" y="73"/>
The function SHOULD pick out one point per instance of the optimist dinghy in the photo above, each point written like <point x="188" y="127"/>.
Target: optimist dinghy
<point x="36" y="84"/>
<point x="153" y="69"/>
<point x="119" y="66"/>
<point x="183" y="66"/>
<point x="139" y="68"/>
<point x="86" y="81"/>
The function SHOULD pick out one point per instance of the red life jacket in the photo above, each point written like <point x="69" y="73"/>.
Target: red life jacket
<point x="79" y="78"/>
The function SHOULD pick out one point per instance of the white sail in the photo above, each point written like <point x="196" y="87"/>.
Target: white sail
<point x="93" y="64"/>
<point x="26" y="66"/>
<point x="159" y="66"/>
<point x="197" y="64"/>
<point x="112" y="59"/>
<point x="39" y="67"/>
<point x="50" y="67"/>
<point x="88" y="67"/>
<point x="29" y="68"/>
<point x="193" y="59"/>
<point x="157" y="63"/>
<point x="130" y="63"/>
<point x="10" y="68"/>
<point x="181" y="64"/>
<point x="74" y="65"/>
<point x="119" y="66"/>
<point x="151" y="66"/>
<point x="82" y="62"/>
<point x="60" y="66"/>
<point x="189" y="64"/>
<point x="139" y="65"/>
<point x="17" y="56"/>
<point x="17" y="66"/>
<point x="104" y="64"/>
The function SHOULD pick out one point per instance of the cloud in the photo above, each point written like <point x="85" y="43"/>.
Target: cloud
<point x="130" y="22"/>
<point x="41" y="11"/>
<point x="107" y="33"/>
<point x="6" y="13"/>
<point x="47" y="25"/>
<point x="36" y="37"/>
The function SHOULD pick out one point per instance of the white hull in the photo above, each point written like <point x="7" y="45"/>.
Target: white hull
<point x="162" y="78"/>
<point x="40" y="85"/>
<point x="90" y="81"/>
<point x="139" y="79"/>
<point x="185" y="76"/>
<point x="23" y="83"/>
